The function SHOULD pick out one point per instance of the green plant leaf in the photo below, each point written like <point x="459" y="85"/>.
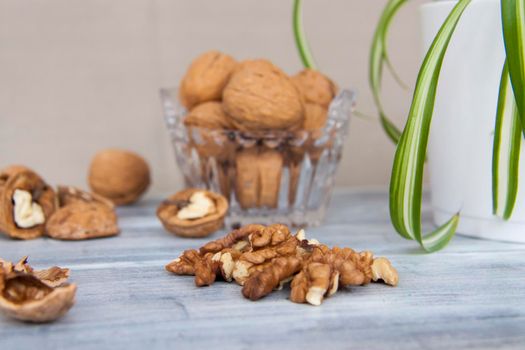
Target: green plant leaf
<point x="378" y="58"/>
<point x="406" y="183"/>
<point x="506" y="150"/>
<point x="513" y="20"/>
<point x="300" y="38"/>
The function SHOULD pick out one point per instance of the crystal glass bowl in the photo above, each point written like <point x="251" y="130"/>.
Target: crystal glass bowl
<point x="268" y="177"/>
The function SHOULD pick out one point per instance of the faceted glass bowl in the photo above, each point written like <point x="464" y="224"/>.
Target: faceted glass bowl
<point x="268" y="177"/>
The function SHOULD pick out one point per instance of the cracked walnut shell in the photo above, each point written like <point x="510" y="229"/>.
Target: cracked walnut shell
<point x="259" y="96"/>
<point x="119" y="175"/>
<point x="26" y="203"/>
<point x="206" y="78"/>
<point x="26" y="296"/>
<point x="82" y="215"/>
<point x="193" y="213"/>
<point x="82" y="220"/>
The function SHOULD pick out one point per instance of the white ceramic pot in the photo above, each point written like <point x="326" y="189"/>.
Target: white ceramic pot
<point x="460" y="145"/>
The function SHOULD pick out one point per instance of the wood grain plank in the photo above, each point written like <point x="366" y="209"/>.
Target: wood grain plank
<point x="471" y="295"/>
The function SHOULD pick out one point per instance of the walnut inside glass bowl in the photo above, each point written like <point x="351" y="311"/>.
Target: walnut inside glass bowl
<point x="269" y="142"/>
<point x="193" y="213"/>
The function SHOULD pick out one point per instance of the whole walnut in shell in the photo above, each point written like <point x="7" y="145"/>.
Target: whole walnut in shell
<point x="208" y="115"/>
<point x="315" y="87"/>
<point x="260" y="96"/>
<point x="206" y="78"/>
<point x="314" y="117"/>
<point x="119" y="175"/>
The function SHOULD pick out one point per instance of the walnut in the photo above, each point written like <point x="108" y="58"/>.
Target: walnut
<point x="237" y="239"/>
<point x="69" y="195"/>
<point x="272" y="242"/>
<point x="79" y="221"/>
<point x="326" y="269"/>
<point x="26" y="203"/>
<point x="53" y="276"/>
<point x="193" y="213"/>
<point x="119" y="175"/>
<point x="214" y="257"/>
<point x="208" y="115"/>
<point x="247" y="184"/>
<point x="382" y="270"/>
<point x="315" y="87"/>
<point x="258" y="177"/>
<point x="259" y="96"/>
<point x="205" y="79"/>
<point x="26" y="296"/>
<point x="315" y="117"/>
<point x="263" y="282"/>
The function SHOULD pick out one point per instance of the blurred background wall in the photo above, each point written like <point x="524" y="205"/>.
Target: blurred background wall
<point x="77" y="76"/>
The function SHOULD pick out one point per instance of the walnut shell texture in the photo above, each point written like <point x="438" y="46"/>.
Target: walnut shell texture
<point x="209" y="115"/>
<point x="82" y="220"/>
<point x="210" y="137"/>
<point x="201" y="227"/>
<point x="22" y="178"/>
<point x="25" y="295"/>
<point x="206" y="78"/>
<point x="260" y="96"/>
<point x="119" y="175"/>
<point x="258" y="177"/>
<point x="315" y="116"/>
<point x="315" y="87"/>
<point x="68" y="195"/>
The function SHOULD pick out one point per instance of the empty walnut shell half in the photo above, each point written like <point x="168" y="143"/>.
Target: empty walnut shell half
<point x="193" y="213"/>
<point x="260" y="96"/>
<point x="119" y="175"/>
<point x="206" y="78"/>
<point x="315" y="87"/>
<point x="25" y="297"/>
<point x="26" y="203"/>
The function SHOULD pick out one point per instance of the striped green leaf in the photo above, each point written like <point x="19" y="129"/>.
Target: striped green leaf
<point x="406" y="183"/>
<point x="513" y="19"/>
<point x="506" y="151"/>
<point x="300" y="39"/>
<point x="378" y="58"/>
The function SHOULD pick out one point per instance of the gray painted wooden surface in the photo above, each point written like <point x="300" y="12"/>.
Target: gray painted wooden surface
<point x="472" y="294"/>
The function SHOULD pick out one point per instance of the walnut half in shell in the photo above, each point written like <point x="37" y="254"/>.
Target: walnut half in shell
<point x="26" y="203"/>
<point x="193" y="213"/>
<point x="27" y="296"/>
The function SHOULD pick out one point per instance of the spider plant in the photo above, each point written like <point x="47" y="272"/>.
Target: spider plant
<point x="406" y="183"/>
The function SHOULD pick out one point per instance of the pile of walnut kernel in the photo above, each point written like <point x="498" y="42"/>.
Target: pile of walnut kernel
<point x="259" y="101"/>
<point x="264" y="258"/>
